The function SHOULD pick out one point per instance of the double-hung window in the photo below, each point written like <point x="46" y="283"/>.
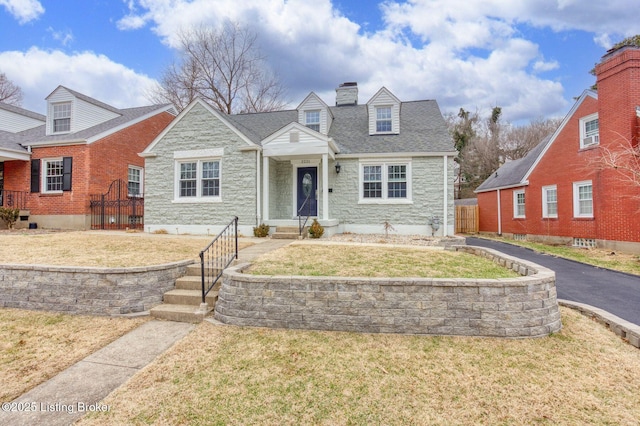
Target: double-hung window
<point x="550" y="201"/>
<point x="134" y="181"/>
<point x="589" y="131"/>
<point x="518" y="204"/>
<point x="62" y="117"/>
<point x="53" y="175"/>
<point x="383" y="119"/>
<point x="385" y="182"/>
<point x="312" y="120"/>
<point x="583" y="199"/>
<point x="198" y="180"/>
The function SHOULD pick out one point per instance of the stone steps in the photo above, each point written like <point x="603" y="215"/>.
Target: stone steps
<point x="289" y="233"/>
<point x="183" y="303"/>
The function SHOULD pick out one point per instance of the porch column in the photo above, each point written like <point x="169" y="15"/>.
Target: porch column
<point x="265" y="188"/>
<point x="325" y="186"/>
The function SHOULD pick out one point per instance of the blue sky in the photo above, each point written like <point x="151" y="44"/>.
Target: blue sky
<point x="531" y="57"/>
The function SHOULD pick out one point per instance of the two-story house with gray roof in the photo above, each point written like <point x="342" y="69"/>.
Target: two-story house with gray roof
<point x="352" y="167"/>
<point x="50" y="165"/>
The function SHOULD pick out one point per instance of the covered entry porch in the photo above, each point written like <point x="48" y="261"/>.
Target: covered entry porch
<point x="298" y="168"/>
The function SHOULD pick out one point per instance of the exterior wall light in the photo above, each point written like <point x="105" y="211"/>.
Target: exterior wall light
<point x="338" y="167"/>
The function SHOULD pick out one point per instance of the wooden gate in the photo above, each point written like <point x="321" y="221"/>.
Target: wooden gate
<point x="116" y="209"/>
<point x="467" y="219"/>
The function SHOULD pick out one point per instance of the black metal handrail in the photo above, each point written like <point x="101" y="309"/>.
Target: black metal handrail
<point x="218" y="255"/>
<point x="300" y="224"/>
<point x="13" y="199"/>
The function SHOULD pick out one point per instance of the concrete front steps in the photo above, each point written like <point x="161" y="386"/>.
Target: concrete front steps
<point x="289" y="233"/>
<point x="182" y="304"/>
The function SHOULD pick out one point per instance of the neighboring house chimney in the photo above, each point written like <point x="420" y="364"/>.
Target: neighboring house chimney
<point x="618" y="81"/>
<point x="347" y="94"/>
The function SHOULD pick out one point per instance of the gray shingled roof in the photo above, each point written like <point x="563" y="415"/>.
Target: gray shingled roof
<point x="37" y="134"/>
<point x="257" y="126"/>
<point x="11" y="142"/>
<point x="513" y="172"/>
<point x="22" y="111"/>
<point x="422" y="128"/>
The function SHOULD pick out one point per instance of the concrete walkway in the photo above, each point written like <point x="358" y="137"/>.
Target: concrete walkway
<point x="80" y="389"/>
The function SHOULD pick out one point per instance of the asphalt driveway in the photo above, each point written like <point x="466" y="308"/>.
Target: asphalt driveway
<point x="614" y="292"/>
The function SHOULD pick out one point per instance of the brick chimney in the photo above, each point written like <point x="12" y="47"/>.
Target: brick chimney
<point x="347" y="94"/>
<point x="618" y="80"/>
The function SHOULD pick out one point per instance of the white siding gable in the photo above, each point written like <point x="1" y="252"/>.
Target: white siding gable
<point x="83" y="113"/>
<point x="384" y="99"/>
<point x="313" y="103"/>
<point x="13" y="122"/>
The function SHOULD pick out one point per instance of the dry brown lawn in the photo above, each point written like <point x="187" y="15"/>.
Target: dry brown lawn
<point x="35" y="346"/>
<point x="349" y="260"/>
<point x="100" y="249"/>
<point x="231" y="375"/>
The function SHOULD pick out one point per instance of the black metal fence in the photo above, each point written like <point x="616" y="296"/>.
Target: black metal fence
<point x="13" y="199"/>
<point x="116" y="209"/>
<point x="218" y="255"/>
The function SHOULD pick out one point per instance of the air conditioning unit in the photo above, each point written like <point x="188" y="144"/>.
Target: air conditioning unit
<point x="591" y="140"/>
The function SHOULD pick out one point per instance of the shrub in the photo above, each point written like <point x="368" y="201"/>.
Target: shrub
<point x="316" y="230"/>
<point x="9" y="216"/>
<point x="261" y="231"/>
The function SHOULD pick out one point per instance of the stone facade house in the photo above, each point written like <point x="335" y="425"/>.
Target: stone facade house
<point x="51" y="164"/>
<point x="560" y="192"/>
<point x="351" y="166"/>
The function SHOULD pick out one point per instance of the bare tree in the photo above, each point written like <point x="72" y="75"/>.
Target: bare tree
<point x="518" y="141"/>
<point x="624" y="157"/>
<point x="9" y="92"/>
<point x="225" y="68"/>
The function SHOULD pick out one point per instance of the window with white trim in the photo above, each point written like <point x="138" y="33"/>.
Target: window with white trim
<point x="583" y="199"/>
<point x="518" y="204"/>
<point x="62" y="117"/>
<point x="383" y="119"/>
<point x="198" y="179"/>
<point x="134" y="181"/>
<point x="550" y="201"/>
<point x="385" y="182"/>
<point x="53" y="175"/>
<point x="589" y="131"/>
<point x="312" y="120"/>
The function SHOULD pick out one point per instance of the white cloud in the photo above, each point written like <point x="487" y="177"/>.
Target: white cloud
<point x="23" y="10"/>
<point x="64" y="36"/>
<point x="39" y="72"/>
<point x="461" y="53"/>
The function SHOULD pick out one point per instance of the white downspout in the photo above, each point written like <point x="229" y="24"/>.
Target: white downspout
<point x="325" y="187"/>
<point x="445" y="222"/>
<point x="258" y="191"/>
<point x="265" y="188"/>
<point x="499" y="215"/>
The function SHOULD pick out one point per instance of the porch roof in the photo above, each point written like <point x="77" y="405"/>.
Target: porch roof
<point x="10" y="148"/>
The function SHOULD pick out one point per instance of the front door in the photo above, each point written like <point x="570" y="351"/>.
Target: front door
<point x="307" y="188"/>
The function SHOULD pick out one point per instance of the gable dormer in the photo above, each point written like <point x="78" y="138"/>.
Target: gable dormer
<point x="315" y="114"/>
<point x="384" y="113"/>
<point x="70" y="112"/>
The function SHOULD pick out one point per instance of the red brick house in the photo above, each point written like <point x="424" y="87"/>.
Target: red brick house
<point x="560" y="192"/>
<point x="51" y="164"/>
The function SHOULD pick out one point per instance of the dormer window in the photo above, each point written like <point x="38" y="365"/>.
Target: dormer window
<point x="589" y="131"/>
<point x="62" y="117"/>
<point x="312" y="120"/>
<point x="383" y="119"/>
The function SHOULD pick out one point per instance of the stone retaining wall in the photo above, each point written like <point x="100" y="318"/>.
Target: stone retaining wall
<point x="525" y="306"/>
<point x="84" y="290"/>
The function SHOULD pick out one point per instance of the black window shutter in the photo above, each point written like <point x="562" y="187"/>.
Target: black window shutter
<point x="35" y="175"/>
<point x="66" y="173"/>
